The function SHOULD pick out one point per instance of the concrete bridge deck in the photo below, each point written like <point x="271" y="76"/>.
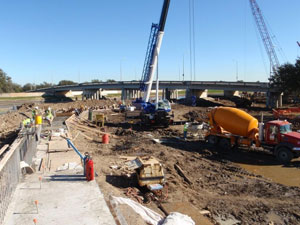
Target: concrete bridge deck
<point x="201" y="85"/>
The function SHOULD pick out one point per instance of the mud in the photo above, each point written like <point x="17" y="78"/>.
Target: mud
<point x="236" y="187"/>
<point x="221" y="183"/>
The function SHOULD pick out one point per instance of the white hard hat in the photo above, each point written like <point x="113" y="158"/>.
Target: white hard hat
<point x="36" y="107"/>
<point x="49" y="108"/>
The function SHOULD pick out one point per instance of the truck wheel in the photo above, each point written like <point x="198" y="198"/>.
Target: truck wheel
<point x="225" y="144"/>
<point x="213" y="140"/>
<point x="284" y="155"/>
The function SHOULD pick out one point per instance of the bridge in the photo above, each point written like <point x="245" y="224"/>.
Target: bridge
<point x="130" y="89"/>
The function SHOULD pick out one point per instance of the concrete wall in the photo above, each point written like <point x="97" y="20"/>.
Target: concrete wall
<point x="22" y="149"/>
<point x="22" y="94"/>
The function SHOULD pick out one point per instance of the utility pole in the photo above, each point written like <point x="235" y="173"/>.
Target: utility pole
<point x="121" y="70"/>
<point x="237" y="71"/>
<point x="183" y="67"/>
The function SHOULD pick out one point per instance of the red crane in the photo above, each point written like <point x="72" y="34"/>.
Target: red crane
<point x="265" y="36"/>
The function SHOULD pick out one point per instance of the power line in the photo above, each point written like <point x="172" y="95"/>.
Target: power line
<point x="194" y="45"/>
<point x="190" y="31"/>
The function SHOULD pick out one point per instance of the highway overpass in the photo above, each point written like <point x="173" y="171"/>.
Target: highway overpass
<point x="130" y="89"/>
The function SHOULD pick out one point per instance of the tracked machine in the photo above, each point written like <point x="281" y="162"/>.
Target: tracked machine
<point x="158" y="113"/>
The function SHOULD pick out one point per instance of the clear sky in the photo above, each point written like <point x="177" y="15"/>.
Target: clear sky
<point x="51" y="40"/>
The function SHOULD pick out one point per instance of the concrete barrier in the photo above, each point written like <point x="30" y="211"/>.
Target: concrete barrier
<point x="22" y="149"/>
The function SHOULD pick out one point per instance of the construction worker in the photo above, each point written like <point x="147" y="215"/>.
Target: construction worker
<point x="34" y="112"/>
<point x="26" y="123"/>
<point x="48" y="116"/>
<point x="185" y="129"/>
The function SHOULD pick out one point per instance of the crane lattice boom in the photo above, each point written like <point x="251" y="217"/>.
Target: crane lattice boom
<point x="266" y="38"/>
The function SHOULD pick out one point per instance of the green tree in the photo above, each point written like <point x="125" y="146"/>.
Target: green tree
<point x="43" y="85"/>
<point x="6" y="84"/>
<point x="110" y="80"/>
<point x="28" y="87"/>
<point x="287" y="78"/>
<point x="96" y="81"/>
<point x="66" y="82"/>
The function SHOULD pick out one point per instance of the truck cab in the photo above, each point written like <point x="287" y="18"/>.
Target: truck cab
<point x="286" y="143"/>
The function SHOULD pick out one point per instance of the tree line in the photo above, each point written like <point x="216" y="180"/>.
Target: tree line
<point x="287" y="78"/>
<point x="8" y="86"/>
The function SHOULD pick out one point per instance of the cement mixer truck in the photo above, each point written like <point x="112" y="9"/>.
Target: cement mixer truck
<point x="231" y="127"/>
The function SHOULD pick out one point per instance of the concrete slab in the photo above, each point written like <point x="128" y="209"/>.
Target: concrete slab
<point x="64" y="197"/>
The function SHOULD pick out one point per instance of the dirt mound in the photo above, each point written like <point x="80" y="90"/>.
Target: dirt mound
<point x="196" y="116"/>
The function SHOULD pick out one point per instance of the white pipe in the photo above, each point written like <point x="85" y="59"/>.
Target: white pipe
<point x="153" y="66"/>
<point x="157" y="86"/>
<point x="261" y="131"/>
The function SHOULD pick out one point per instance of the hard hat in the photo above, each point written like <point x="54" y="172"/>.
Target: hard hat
<point x="36" y="107"/>
<point x="49" y="108"/>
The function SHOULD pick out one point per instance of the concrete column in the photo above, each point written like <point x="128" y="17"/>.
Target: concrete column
<point x="168" y="94"/>
<point x="280" y="100"/>
<point x="122" y="94"/>
<point x="274" y="100"/>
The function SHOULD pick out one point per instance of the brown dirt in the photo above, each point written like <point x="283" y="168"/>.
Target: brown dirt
<point x="219" y="183"/>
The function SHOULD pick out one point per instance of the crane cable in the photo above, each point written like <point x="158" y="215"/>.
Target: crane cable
<point x="190" y="36"/>
<point x="192" y="39"/>
<point x="194" y="43"/>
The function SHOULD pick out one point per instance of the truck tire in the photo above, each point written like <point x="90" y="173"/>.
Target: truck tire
<point x="225" y="144"/>
<point x="284" y="155"/>
<point x="213" y="140"/>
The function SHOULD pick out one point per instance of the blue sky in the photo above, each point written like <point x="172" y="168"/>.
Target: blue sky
<point x="51" y="40"/>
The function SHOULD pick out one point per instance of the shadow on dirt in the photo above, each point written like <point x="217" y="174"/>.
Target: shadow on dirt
<point x="122" y="181"/>
<point x="240" y="155"/>
<point x="56" y="99"/>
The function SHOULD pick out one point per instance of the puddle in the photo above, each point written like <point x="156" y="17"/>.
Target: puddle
<point x="287" y="175"/>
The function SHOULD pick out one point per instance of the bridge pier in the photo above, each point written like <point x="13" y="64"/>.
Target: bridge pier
<point x="174" y="94"/>
<point x="231" y="93"/>
<point x="92" y="94"/>
<point x="274" y="100"/>
<point x="195" y="92"/>
<point x="130" y="94"/>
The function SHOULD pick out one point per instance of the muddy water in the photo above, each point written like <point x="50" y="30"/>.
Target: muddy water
<point x="287" y="175"/>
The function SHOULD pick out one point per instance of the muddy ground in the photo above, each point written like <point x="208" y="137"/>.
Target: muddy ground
<point x="232" y="185"/>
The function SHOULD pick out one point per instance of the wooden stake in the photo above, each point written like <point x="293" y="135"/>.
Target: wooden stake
<point x="181" y="173"/>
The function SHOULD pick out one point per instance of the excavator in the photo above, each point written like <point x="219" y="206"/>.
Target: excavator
<point x="158" y="113"/>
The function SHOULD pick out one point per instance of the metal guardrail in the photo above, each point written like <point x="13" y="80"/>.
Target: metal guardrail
<point x="22" y="149"/>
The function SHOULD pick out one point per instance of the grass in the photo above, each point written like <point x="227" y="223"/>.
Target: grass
<point x="215" y="91"/>
<point x="20" y="98"/>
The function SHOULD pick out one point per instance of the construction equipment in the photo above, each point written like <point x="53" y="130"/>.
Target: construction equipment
<point x="149" y="172"/>
<point x="86" y="160"/>
<point x="265" y="36"/>
<point x="100" y="118"/>
<point x="286" y="113"/>
<point x="154" y="113"/>
<point x="231" y="127"/>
